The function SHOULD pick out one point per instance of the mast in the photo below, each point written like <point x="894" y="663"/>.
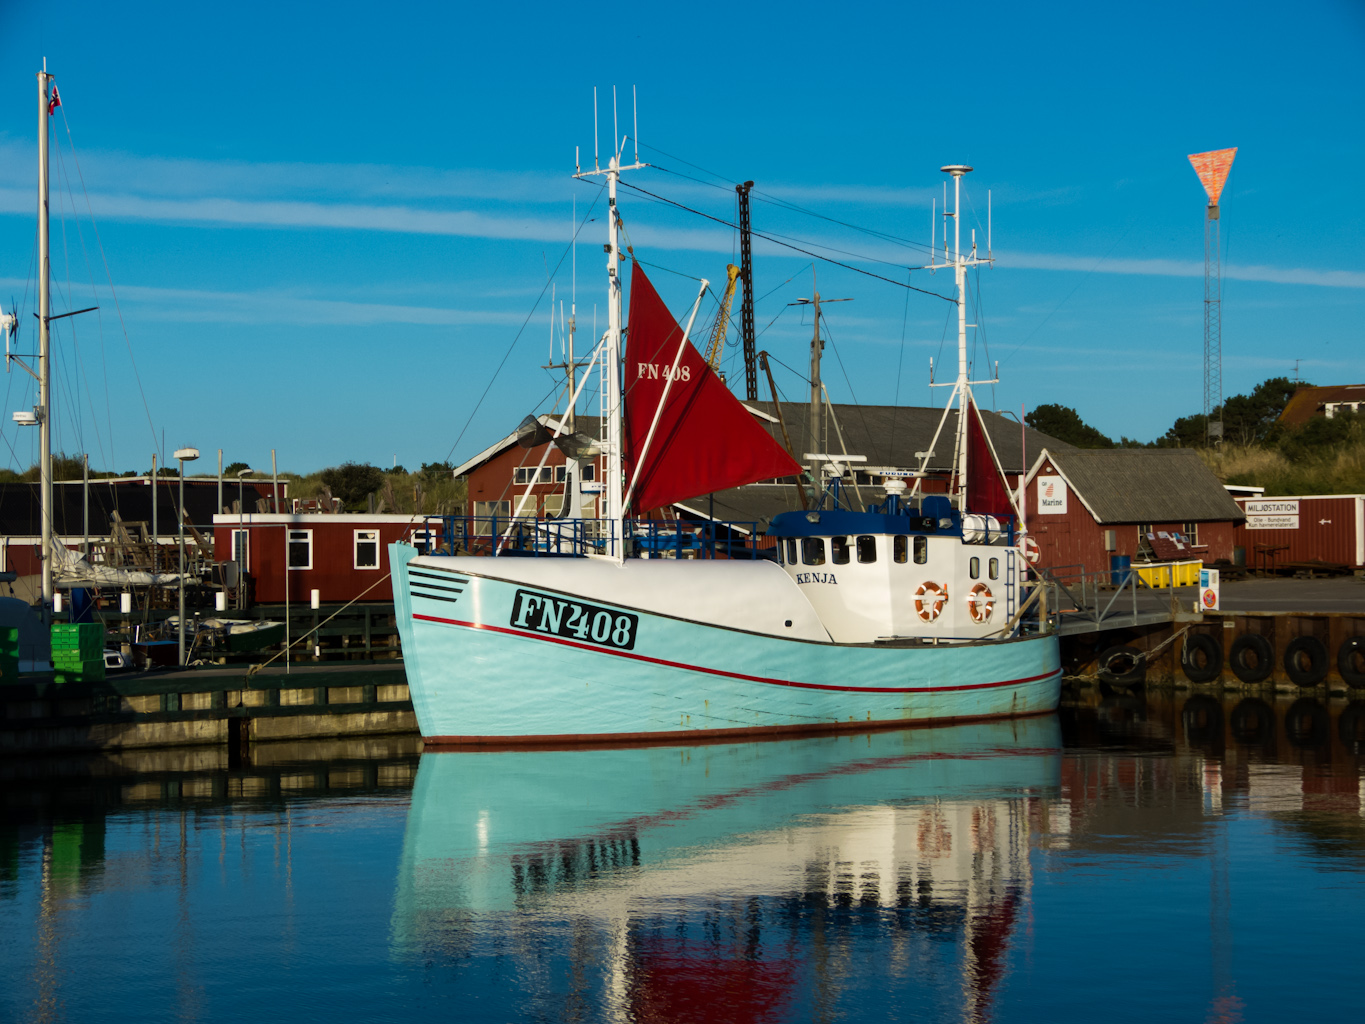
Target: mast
<point x="817" y="446"/>
<point x="615" y="489"/>
<point x="44" y="340"/>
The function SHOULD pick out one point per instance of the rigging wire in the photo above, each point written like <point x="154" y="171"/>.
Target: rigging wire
<point x="104" y="257"/>
<point x="522" y="329"/>
<point x="788" y="245"/>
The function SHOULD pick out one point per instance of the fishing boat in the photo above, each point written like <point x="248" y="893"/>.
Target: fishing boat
<point x="910" y="610"/>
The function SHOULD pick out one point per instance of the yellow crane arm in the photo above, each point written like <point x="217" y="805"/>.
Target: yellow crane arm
<point x="717" y="342"/>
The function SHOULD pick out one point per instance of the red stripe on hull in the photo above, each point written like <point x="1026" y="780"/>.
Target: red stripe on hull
<point x="695" y="737"/>
<point x="734" y="675"/>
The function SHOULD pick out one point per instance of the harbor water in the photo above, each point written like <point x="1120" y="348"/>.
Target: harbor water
<point x="1132" y="858"/>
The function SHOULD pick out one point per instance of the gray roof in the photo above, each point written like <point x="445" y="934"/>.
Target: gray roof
<point x="1144" y="485"/>
<point x="890" y="435"/>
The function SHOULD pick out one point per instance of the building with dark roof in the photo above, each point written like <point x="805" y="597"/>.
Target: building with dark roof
<point x="1308" y="402"/>
<point x="1084" y="507"/>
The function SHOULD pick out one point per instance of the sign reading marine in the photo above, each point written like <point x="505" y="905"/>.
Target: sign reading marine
<point x="1051" y="496"/>
<point x="558" y="616"/>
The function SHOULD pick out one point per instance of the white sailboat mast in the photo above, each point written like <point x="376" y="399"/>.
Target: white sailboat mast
<point x="615" y="482"/>
<point x="44" y="325"/>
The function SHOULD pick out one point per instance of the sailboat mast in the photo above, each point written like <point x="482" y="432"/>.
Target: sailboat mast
<point x="816" y="441"/>
<point x="963" y="388"/>
<point x="615" y="463"/>
<point x="44" y="341"/>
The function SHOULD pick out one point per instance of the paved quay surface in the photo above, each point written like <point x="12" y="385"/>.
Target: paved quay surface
<point x="1338" y="594"/>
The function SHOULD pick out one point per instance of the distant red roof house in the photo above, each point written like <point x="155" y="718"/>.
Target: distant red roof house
<point x="1308" y="402"/>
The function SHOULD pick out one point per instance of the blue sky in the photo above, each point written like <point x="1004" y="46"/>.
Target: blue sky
<point x="326" y="225"/>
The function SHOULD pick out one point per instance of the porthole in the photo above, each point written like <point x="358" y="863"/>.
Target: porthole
<point x="900" y="548"/>
<point x="974" y="568"/>
<point x="993" y="569"/>
<point x="921" y="550"/>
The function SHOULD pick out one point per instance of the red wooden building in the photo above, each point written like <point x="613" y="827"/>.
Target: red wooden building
<point x="1085" y="507"/>
<point x="1307" y="528"/>
<point x="343" y="557"/>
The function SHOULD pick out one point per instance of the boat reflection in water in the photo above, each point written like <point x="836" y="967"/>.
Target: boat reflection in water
<point x="747" y="881"/>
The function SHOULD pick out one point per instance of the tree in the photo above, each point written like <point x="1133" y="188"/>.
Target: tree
<point x="1251" y="419"/>
<point x="352" y="482"/>
<point x="1065" y="424"/>
<point x="1320" y="436"/>
<point x="233" y="468"/>
<point x="437" y="470"/>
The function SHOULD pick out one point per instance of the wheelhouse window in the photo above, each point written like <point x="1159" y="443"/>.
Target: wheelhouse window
<point x="791" y="550"/>
<point x="366" y="549"/>
<point x="974" y="568"/>
<point x="993" y="569"/>
<point x="813" y="550"/>
<point x="900" y="548"/>
<point x="921" y="550"/>
<point x="838" y="550"/>
<point x="867" y="549"/>
<point x="300" y="549"/>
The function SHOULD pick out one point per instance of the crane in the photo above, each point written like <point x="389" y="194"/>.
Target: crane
<point x="717" y="342"/>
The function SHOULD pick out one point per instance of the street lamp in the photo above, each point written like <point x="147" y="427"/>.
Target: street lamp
<point x="184" y="455"/>
<point x="242" y="474"/>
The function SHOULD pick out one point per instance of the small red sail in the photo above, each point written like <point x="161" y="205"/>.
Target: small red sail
<point x="986" y="491"/>
<point x="705" y="439"/>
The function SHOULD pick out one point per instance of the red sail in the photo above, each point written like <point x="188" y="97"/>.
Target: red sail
<point x="705" y="440"/>
<point x="986" y="491"/>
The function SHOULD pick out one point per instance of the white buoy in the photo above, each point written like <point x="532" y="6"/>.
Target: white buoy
<point x="125" y="603"/>
<point x="220" y="601"/>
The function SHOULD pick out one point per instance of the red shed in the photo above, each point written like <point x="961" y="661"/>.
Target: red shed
<point x="343" y="557"/>
<point x="1086" y="506"/>
<point x="1304" y="528"/>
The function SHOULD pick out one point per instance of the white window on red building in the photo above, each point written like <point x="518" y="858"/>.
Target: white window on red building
<point x="300" y="549"/>
<point x="366" y="547"/>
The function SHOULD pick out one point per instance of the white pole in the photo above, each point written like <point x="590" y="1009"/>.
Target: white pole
<point x="274" y="483"/>
<point x="615" y="465"/>
<point x="44" y="344"/>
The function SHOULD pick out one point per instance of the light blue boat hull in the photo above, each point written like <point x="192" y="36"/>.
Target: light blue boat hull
<point x="476" y="678"/>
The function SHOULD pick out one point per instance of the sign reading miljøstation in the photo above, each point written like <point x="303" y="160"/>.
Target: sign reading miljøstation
<point x="1273" y="515"/>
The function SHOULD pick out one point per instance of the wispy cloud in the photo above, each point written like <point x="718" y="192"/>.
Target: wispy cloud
<point x="272" y="306"/>
<point x="412" y="200"/>
<point x="1183" y="268"/>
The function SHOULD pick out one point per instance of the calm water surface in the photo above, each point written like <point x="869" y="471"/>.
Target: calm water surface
<point x="1133" y="859"/>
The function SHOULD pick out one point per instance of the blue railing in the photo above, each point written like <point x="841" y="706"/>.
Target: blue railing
<point x="566" y="538"/>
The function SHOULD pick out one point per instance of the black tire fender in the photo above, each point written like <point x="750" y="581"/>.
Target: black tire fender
<point x="1252" y="721"/>
<point x="1350" y="649"/>
<point x="1252" y="658"/>
<point x="1118" y="657"/>
<point x="1201" y="658"/>
<point x="1307" y="723"/>
<point x="1306" y="660"/>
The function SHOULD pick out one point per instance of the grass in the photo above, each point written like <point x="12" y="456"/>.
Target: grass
<point x="1336" y="470"/>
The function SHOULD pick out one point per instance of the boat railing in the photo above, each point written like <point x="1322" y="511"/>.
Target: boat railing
<point x="561" y="538"/>
<point x="1074" y="597"/>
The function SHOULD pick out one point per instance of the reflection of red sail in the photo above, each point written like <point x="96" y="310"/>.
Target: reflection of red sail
<point x="989" y="943"/>
<point x="668" y="985"/>
<point x="705" y="439"/>
<point x="986" y="494"/>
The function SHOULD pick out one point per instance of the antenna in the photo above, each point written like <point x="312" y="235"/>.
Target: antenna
<point x="551" y="357"/>
<point x="615" y="127"/>
<point x="933" y="230"/>
<point x="635" y="112"/>
<point x="595" y="164"/>
<point x="988" y="227"/>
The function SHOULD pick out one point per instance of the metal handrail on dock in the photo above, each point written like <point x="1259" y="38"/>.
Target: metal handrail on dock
<point x="1079" y="602"/>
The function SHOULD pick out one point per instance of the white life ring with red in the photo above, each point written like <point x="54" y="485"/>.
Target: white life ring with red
<point x="981" y="603"/>
<point x="1031" y="551"/>
<point x="930" y="597"/>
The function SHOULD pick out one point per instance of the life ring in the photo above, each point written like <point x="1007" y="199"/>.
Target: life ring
<point x="981" y="603"/>
<point x="1306" y="661"/>
<point x="1032" y="553"/>
<point x="1349" y="655"/>
<point x="1123" y="666"/>
<point x="1201" y="659"/>
<point x="930" y="598"/>
<point x="1252" y="658"/>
